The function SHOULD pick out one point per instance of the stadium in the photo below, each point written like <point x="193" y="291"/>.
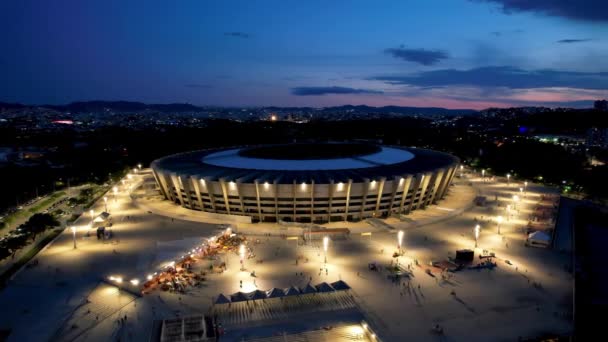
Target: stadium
<point x="306" y="182"/>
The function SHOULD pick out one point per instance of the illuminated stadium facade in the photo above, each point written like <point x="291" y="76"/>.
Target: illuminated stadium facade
<point x="309" y="182"/>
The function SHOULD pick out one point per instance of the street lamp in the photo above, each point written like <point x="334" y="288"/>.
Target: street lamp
<point x="92" y="213"/>
<point x="461" y="168"/>
<point x="483" y="173"/>
<point x="399" y="240"/>
<point x="139" y="166"/>
<point x="476" y="231"/>
<point x="508" y="209"/>
<point x="242" y="254"/>
<point x="325" y="244"/>
<point x="74" y="235"/>
<point x="515" y="200"/>
<point x="105" y="202"/>
<point x="508" y="178"/>
<point x="498" y="222"/>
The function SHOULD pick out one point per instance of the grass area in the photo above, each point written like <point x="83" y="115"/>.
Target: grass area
<point x="25" y="258"/>
<point x="46" y="202"/>
<point x="22" y="214"/>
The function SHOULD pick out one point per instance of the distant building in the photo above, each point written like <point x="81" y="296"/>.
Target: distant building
<point x="601" y="105"/>
<point x="581" y="231"/>
<point x="597" y="137"/>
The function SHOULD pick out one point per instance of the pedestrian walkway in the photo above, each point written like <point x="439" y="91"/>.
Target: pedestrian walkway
<point x="104" y="301"/>
<point x="343" y="333"/>
<point x="239" y="313"/>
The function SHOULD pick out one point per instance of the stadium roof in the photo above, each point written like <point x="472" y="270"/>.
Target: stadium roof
<point x="241" y="165"/>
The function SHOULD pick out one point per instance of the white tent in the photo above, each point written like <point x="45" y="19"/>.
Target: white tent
<point x="539" y="238"/>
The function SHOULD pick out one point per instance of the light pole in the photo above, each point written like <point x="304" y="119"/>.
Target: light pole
<point x="242" y="254"/>
<point x="476" y="231"/>
<point x="508" y="209"/>
<point x="508" y="178"/>
<point x="92" y="213"/>
<point x="139" y="166"/>
<point x="399" y="240"/>
<point x="515" y="200"/>
<point x="105" y="202"/>
<point x="461" y="168"/>
<point x="325" y="245"/>
<point x="498" y="222"/>
<point x="74" y="235"/>
<point x="483" y="174"/>
<point x="115" y="191"/>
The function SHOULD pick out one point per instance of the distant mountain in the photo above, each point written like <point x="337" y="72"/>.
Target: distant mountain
<point x="129" y="106"/>
<point x="5" y="105"/>
<point x="122" y="106"/>
<point x="406" y="110"/>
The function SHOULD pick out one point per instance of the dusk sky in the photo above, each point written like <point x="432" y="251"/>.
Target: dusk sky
<point x="439" y="53"/>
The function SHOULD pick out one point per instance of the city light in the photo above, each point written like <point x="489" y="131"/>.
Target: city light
<point x="74" y="235"/>
<point x="498" y="222"/>
<point x="134" y="282"/>
<point x="399" y="239"/>
<point x="242" y="255"/>
<point x="325" y="245"/>
<point x="476" y="231"/>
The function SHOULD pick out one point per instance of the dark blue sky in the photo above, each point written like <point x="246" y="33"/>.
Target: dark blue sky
<point x="451" y="53"/>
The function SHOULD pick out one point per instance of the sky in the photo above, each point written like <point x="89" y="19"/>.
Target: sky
<point x="432" y="53"/>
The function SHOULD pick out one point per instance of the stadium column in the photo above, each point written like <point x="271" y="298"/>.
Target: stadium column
<point x="448" y="181"/>
<point x="379" y="199"/>
<point x="406" y="189"/>
<point x="441" y="175"/>
<point x="330" y="193"/>
<point x="197" y="190"/>
<point x="312" y="200"/>
<point x="238" y="193"/>
<point x="364" y="197"/>
<point x="348" y="186"/>
<point x="396" y="181"/>
<point x="185" y="182"/>
<point x="257" y="196"/>
<point x="429" y="188"/>
<point x="163" y="184"/>
<point x="276" y="199"/>
<point x="160" y="185"/>
<point x="425" y="184"/>
<point x="225" y="193"/>
<point x="416" y="185"/>
<point x="208" y="185"/>
<point x="178" y="188"/>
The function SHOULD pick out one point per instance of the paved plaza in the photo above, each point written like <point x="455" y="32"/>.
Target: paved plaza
<point x="69" y="297"/>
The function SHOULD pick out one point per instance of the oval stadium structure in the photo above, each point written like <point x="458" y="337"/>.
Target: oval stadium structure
<point x="306" y="182"/>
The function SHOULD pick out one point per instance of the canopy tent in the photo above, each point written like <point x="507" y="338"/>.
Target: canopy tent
<point x="221" y="299"/>
<point x="102" y="217"/>
<point x="257" y="294"/>
<point x="539" y="238"/>
<point x="340" y="285"/>
<point x="291" y="291"/>
<point x="238" y="297"/>
<point x="274" y="293"/>
<point x="324" y="287"/>
<point x="308" y="289"/>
